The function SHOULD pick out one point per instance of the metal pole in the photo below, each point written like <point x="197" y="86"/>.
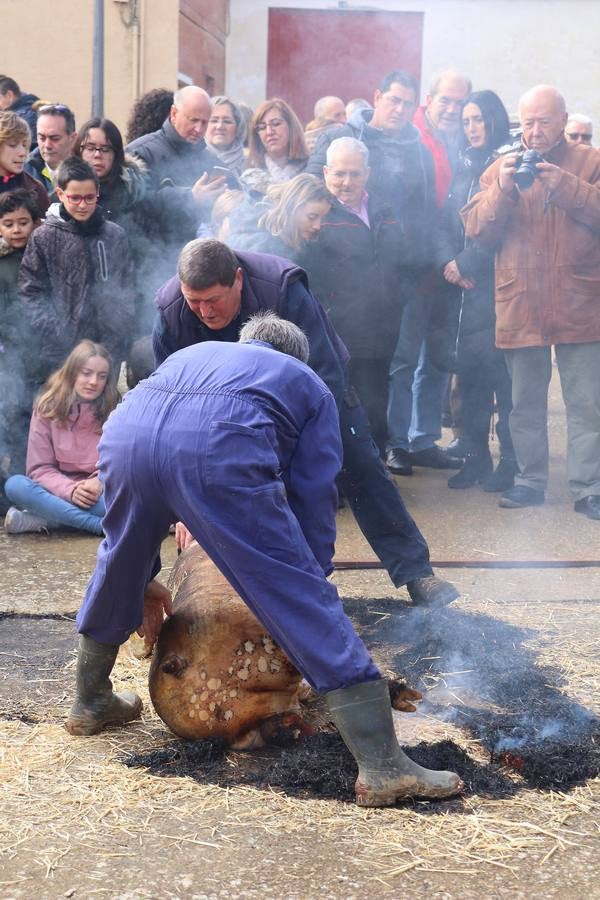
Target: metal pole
<point x="98" y="60"/>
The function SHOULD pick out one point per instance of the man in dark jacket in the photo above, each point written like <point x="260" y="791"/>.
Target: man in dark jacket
<point x="179" y="166"/>
<point x="56" y="138"/>
<point x="356" y="268"/>
<point x="215" y="293"/>
<point x="402" y="173"/>
<point x="13" y="100"/>
<point x="75" y="278"/>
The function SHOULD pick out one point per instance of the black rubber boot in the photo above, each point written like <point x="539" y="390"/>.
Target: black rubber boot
<point x="476" y="468"/>
<point x="96" y="705"/>
<point x="363" y="716"/>
<point x="503" y="478"/>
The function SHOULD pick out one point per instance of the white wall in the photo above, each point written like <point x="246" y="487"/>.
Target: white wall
<point x="504" y="45"/>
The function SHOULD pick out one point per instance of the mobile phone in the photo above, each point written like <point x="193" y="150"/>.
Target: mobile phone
<point x="232" y="180"/>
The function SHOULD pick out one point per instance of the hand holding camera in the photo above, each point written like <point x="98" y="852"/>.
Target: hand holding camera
<point x="522" y="169"/>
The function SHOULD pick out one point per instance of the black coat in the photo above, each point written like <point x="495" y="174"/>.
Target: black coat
<point x="472" y="310"/>
<point x="173" y="166"/>
<point x="355" y="271"/>
<point x="73" y="286"/>
<point x="402" y="176"/>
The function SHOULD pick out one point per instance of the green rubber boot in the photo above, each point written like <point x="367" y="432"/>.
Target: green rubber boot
<point x="363" y="716"/>
<point x="96" y="705"/>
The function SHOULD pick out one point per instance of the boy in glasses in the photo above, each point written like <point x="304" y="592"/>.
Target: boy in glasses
<point x="75" y="278"/>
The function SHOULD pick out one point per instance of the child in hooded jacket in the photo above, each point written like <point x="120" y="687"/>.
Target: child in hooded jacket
<point x="62" y="487"/>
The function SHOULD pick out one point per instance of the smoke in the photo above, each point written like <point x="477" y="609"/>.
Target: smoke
<point x="482" y="675"/>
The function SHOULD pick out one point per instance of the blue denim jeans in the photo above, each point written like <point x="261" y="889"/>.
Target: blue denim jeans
<point x="27" y="494"/>
<point x="417" y="386"/>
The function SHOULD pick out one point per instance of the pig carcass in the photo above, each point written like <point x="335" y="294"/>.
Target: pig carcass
<point x="215" y="672"/>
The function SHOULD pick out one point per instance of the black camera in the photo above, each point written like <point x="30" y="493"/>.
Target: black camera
<point x="526" y="169"/>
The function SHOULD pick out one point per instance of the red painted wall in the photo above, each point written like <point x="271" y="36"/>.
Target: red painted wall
<point x="344" y="52"/>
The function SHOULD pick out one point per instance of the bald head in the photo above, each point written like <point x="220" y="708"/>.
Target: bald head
<point x="190" y="113"/>
<point x="330" y="108"/>
<point x="543" y="115"/>
<point x="445" y="100"/>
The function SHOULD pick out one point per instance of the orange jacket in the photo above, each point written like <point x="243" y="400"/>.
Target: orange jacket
<point x="547" y="251"/>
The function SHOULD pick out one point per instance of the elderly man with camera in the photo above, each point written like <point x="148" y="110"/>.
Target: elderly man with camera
<point x="541" y="213"/>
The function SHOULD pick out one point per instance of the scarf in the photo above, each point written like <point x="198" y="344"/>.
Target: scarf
<point x="232" y="156"/>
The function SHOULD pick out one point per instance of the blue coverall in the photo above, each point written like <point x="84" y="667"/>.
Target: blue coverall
<point x="241" y="443"/>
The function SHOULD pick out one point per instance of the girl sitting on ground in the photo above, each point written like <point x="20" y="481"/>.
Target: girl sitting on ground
<point x="62" y="487"/>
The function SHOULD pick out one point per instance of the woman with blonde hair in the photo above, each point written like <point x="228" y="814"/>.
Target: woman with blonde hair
<point x="286" y="222"/>
<point x="276" y="148"/>
<point x="62" y="487"/>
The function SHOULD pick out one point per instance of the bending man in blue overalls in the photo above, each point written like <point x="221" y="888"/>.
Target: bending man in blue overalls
<point x="242" y="443"/>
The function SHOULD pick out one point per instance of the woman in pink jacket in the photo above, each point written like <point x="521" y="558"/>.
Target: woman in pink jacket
<point x="62" y="487"/>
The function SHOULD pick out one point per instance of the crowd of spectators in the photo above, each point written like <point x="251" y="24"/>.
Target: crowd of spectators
<point x="448" y="274"/>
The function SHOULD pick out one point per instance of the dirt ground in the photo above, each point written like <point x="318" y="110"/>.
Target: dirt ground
<point x="510" y="675"/>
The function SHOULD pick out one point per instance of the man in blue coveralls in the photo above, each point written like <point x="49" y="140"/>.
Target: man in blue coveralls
<point x="214" y="294"/>
<point x="241" y="442"/>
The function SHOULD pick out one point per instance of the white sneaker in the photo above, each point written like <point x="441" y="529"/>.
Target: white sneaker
<point x="20" y="521"/>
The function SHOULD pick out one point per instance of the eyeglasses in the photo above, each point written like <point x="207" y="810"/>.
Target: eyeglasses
<point x="576" y="136"/>
<point x="59" y="107"/>
<point x="273" y="123"/>
<point x="91" y="148"/>
<point x="215" y="120"/>
<point x="77" y="199"/>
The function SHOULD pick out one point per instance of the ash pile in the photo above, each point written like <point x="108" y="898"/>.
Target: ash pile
<point x="477" y="673"/>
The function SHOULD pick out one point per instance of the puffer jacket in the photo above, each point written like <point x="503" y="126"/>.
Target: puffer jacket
<point x="121" y="199"/>
<point x="75" y="285"/>
<point x="60" y="454"/>
<point x="472" y="310"/>
<point x="547" y="247"/>
<point x="402" y="176"/>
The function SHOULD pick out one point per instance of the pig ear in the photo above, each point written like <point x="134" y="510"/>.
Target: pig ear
<point x="173" y="665"/>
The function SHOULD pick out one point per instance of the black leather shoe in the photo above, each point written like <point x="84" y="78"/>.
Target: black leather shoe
<point x="435" y="458"/>
<point x="431" y="591"/>
<point x="398" y="461"/>
<point x="589" y="506"/>
<point x="519" y="496"/>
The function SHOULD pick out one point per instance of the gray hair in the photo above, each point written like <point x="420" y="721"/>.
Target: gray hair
<point x="281" y="334"/>
<point x="240" y="122"/>
<point x="581" y="120"/>
<point x="350" y="145"/>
